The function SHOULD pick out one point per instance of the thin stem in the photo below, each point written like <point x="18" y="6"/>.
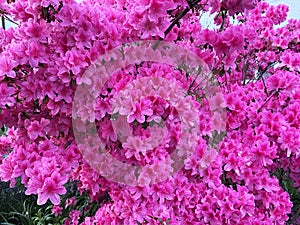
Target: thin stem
<point x="10" y="20"/>
<point x="3" y="22"/>
<point x="267" y="100"/>
<point x="181" y="15"/>
<point x="176" y="20"/>
<point x="223" y="20"/>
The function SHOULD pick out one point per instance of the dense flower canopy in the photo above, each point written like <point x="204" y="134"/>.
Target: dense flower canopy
<point x="255" y="64"/>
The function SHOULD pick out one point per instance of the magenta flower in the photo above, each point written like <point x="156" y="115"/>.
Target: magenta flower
<point x="52" y="188"/>
<point x="6" y="66"/>
<point x="6" y="97"/>
<point x="70" y="202"/>
<point x="57" y="210"/>
<point x="140" y="110"/>
<point x="235" y="6"/>
<point x="37" y="129"/>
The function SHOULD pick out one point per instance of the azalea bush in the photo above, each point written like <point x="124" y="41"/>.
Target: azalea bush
<point x="132" y="112"/>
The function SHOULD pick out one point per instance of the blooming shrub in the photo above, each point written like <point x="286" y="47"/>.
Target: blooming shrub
<point x="233" y="180"/>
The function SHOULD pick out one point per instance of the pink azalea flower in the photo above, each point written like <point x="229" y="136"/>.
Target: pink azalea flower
<point x="57" y="210"/>
<point x="70" y="202"/>
<point x="36" y="129"/>
<point x="52" y="188"/>
<point x="6" y="66"/>
<point x="6" y="93"/>
<point x="140" y="110"/>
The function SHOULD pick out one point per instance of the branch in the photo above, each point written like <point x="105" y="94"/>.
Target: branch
<point x="275" y="92"/>
<point x="181" y="15"/>
<point x="223" y="20"/>
<point x="10" y="20"/>
<point x="4" y="16"/>
<point x="244" y="71"/>
<point x="3" y="22"/>
<point x="261" y="75"/>
<point x="176" y="20"/>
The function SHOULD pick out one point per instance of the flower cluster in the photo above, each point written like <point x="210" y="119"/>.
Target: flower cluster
<point x="150" y="112"/>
